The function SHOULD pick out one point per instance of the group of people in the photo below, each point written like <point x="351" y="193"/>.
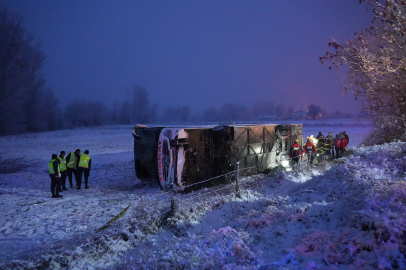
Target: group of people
<point x="320" y="147"/>
<point x="75" y="164"/>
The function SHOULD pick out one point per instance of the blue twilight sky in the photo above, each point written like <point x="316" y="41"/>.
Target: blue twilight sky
<point x="196" y="53"/>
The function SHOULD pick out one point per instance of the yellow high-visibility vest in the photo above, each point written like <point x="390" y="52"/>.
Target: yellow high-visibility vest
<point x="84" y="161"/>
<point x="62" y="164"/>
<point x="72" y="161"/>
<point x="51" y="167"/>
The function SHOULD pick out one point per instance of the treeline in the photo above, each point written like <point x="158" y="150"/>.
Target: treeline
<point x="138" y="108"/>
<point x="135" y="109"/>
<point x="27" y="104"/>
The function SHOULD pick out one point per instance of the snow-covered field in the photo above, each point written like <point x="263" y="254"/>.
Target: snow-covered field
<point x="348" y="215"/>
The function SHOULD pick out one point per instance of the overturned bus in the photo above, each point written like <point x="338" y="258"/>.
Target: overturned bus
<point x="187" y="155"/>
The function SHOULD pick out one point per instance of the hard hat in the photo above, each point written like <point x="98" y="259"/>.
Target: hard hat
<point x="296" y="140"/>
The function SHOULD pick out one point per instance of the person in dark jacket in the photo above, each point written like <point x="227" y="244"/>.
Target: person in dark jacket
<point x="328" y="146"/>
<point x="84" y="165"/>
<point x="295" y="153"/>
<point x="331" y="139"/>
<point x="337" y="144"/>
<point x="72" y="160"/>
<point x="54" y="173"/>
<point x="320" y="136"/>
<point x="320" y="149"/>
<point x="310" y="150"/>
<point x="343" y="144"/>
<point x="346" y="137"/>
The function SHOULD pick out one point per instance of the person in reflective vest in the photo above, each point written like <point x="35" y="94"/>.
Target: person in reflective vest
<point x="84" y="165"/>
<point x="295" y="152"/>
<point x="72" y="160"/>
<point x="54" y="173"/>
<point x="310" y="150"/>
<point x="62" y="167"/>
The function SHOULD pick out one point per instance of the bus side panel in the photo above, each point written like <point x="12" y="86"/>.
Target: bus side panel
<point x="198" y="156"/>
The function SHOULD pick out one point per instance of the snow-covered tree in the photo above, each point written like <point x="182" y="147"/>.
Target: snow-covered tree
<point x="376" y="61"/>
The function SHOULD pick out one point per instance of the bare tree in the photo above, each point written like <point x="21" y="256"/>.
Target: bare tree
<point x="140" y="104"/>
<point x="337" y="114"/>
<point x="171" y="115"/>
<point x="42" y="111"/>
<point x="196" y="118"/>
<point x="263" y="108"/>
<point x="314" y="111"/>
<point x="21" y="83"/>
<point x="85" y="113"/>
<point x="280" y="110"/>
<point x="211" y="114"/>
<point x="229" y="112"/>
<point x="289" y="112"/>
<point x="124" y="114"/>
<point x="324" y="114"/>
<point x="376" y="58"/>
<point x="115" y="109"/>
<point x="185" y="113"/>
<point x="153" y="114"/>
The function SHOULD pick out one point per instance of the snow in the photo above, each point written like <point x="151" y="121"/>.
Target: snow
<point x="349" y="214"/>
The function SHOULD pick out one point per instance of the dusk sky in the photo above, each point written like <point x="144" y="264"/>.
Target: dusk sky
<point x="196" y="53"/>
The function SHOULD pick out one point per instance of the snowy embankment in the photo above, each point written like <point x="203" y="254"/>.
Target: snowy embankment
<point x="351" y="215"/>
<point x="345" y="215"/>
